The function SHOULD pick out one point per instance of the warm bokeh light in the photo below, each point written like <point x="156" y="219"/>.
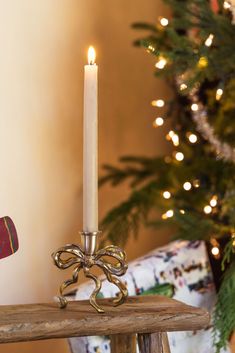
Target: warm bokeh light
<point x="159" y="121"/>
<point x="183" y="86"/>
<point x="179" y="156"/>
<point x="166" y="195"/>
<point x="170" y="213"/>
<point x="207" y="209"/>
<point x="175" y="140"/>
<point x="196" y="183"/>
<point x="192" y="138"/>
<point x="219" y="94"/>
<point x="161" y="63"/>
<point x="213" y="201"/>
<point x="91" y="56"/>
<point x="215" y="251"/>
<point x="209" y="40"/>
<point x="164" y="21"/>
<point x="194" y="107"/>
<point x="158" y="103"/>
<point x="187" y="186"/>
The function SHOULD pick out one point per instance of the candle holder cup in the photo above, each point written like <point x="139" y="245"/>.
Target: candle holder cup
<point x="86" y="257"/>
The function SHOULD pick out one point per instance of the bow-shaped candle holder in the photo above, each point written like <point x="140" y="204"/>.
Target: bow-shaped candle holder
<point x="87" y="257"/>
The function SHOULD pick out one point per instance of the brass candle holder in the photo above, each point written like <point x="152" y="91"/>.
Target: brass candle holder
<point x="86" y="257"/>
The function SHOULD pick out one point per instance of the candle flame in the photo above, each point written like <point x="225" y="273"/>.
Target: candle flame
<point x="91" y="56"/>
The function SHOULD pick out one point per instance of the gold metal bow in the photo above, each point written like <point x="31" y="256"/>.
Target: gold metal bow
<point x="84" y="261"/>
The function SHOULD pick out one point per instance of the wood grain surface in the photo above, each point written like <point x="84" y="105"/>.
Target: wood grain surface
<point x="144" y="314"/>
<point x="123" y="343"/>
<point x="150" y="343"/>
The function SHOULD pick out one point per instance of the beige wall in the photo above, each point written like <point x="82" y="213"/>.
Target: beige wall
<point x="43" y="47"/>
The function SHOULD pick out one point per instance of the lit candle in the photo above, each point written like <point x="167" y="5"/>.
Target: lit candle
<point x="90" y="146"/>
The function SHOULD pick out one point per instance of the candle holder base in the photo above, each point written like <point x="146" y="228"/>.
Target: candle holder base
<point x="86" y="257"/>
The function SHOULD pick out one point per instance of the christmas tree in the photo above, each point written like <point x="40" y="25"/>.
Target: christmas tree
<point x="195" y="186"/>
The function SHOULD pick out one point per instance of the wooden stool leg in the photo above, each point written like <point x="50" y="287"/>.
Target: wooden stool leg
<point x="165" y="343"/>
<point x="153" y="343"/>
<point x="123" y="343"/>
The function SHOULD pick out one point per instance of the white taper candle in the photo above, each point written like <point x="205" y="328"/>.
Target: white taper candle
<point x="90" y="145"/>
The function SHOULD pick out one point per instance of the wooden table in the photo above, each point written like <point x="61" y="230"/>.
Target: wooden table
<point x="150" y="317"/>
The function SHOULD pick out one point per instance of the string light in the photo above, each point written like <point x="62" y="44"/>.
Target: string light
<point x="161" y="63"/>
<point x="202" y="62"/>
<point x="151" y="49"/>
<point x="233" y="237"/>
<point x="226" y="5"/>
<point x="164" y="21"/>
<point x="219" y="94"/>
<point x="158" y="103"/>
<point x="187" y="186"/>
<point x="196" y="183"/>
<point x="215" y="251"/>
<point x="179" y="156"/>
<point x="159" y="121"/>
<point x="183" y="86"/>
<point x="194" y="107"/>
<point x="192" y="138"/>
<point x="166" y="195"/>
<point x="182" y="211"/>
<point x="168" y="214"/>
<point x="213" y="201"/>
<point x="170" y="135"/>
<point x="207" y="209"/>
<point x="209" y="40"/>
<point x="175" y="140"/>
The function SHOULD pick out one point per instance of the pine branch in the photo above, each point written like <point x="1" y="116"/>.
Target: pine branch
<point x="126" y="218"/>
<point x="224" y="316"/>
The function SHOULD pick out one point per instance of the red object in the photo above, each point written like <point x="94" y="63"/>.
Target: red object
<point x="214" y="6"/>
<point x="8" y="237"/>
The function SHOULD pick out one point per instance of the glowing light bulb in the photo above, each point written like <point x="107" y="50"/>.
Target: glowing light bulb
<point x="227" y="5"/>
<point x="158" y="103"/>
<point x="170" y="213"/>
<point x="91" y="56"/>
<point x="164" y="21"/>
<point x="179" y="156"/>
<point x="166" y="195"/>
<point x="209" y="40"/>
<point x="194" y="107"/>
<point x="219" y="93"/>
<point x="175" y="140"/>
<point x="151" y="48"/>
<point x="187" y="186"/>
<point x="202" y="62"/>
<point x="183" y="86"/>
<point x="159" y="121"/>
<point x="213" y="201"/>
<point x="161" y="63"/>
<point x="196" y="183"/>
<point x="182" y="211"/>
<point x="192" y="138"/>
<point x="207" y="209"/>
<point x="215" y="251"/>
<point x="170" y="135"/>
